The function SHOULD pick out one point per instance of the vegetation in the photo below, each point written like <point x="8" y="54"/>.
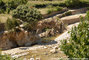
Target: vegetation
<point x="8" y="5"/>
<point x="26" y="14"/>
<point x="76" y="3"/>
<point x="11" y="23"/>
<point x="41" y="4"/>
<point x="72" y="3"/>
<point x="2" y="6"/>
<point x="5" y="57"/>
<point x="78" y="44"/>
<point x="67" y="13"/>
<point x="53" y="9"/>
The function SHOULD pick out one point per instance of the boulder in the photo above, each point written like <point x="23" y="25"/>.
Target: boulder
<point x="5" y="43"/>
<point x="49" y="27"/>
<point x="15" y="39"/>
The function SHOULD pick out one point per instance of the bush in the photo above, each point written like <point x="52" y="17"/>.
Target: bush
<point x="59" y="8"/>
<point x="11" y="23"/>
<point x="27" y="14"/>
<point x="49" y="11"/>
<point x="2" y="6"/>
<point x="67" y="13"/>
<point x="87" y="8"/>
<point x="73" y="3"/>
<point x="54" y="9"/>
<point x="78" y="44"/>
<point x="12" y="4"/>
<point x="5" y="57"/>
<point x="30" y="27"/>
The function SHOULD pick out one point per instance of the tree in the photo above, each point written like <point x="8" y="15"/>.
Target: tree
<point x="78" y="44"/>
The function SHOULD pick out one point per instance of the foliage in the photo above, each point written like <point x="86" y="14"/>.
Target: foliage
<point x="6" y="6"/>
<point x="11" y="23"/>
<point x="44" y="4"/>
<point x="72" y="3"/>
<point x="31" y="26"/>
<point x="5" y="57"/>
<point x="54" y="9"/>
<point x="27" y="14"/>
<point x="78" y="44"/>
<point x="2" y="6"/>
<point x="87" y="8"/>
<point x="59" y="8"/>
<point x="67" y="13"/>
<point x="12" y="4"/>
<point x="49" y="11"/>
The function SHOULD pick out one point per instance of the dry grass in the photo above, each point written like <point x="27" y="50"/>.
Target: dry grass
<point x="42" y="2"/>
<point x="4" y="17"/>
<point x="43" y="10"/>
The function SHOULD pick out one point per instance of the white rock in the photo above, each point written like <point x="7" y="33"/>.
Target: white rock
<point x="45" y="47"/>
<point x="5" y="31"/>
<point x="56" y="47"/>
<point x="53" y="51"/>
<point x="22" y="25"/>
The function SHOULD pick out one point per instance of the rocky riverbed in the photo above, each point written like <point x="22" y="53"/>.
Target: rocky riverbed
<point x="42" y="51"/>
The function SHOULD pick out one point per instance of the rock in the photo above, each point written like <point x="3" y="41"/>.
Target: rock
<point x="56" y="47"/>
<point x="53" y="51"/>
<point x="52" y="26"/>
<point x="38" y="59"/>
<point x="19" y="55"/>
<point x="14" y="39"/>
<point x="21" y="25"/>
<point x="6" y="32"/>
<point x="31" y="58"/>
<point x="45" y="53"/>
<point x="45" y="47"/>
<point x="6" y="44"/>
<point x="27" y="39"/>
<point x="72" y="19"/>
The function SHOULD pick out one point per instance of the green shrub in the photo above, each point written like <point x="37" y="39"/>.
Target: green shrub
<point x="73" y="3"/>
<point x="5" y="57"/>
<point x="49" y="11"/>
<point x="78" y="44"/>
<point x="12" y="4"/>
<point x="11" y="23"/>
<point x="30" y="27"/>
<point x="87" y="8"/>
<point x="49" y="6"/>
<point x="26" y="13"/>
<point x="2" y="6"/>
<point x="59" y="8"/>
<point x="44" y="4"/>
<point x="67" y="13"/>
